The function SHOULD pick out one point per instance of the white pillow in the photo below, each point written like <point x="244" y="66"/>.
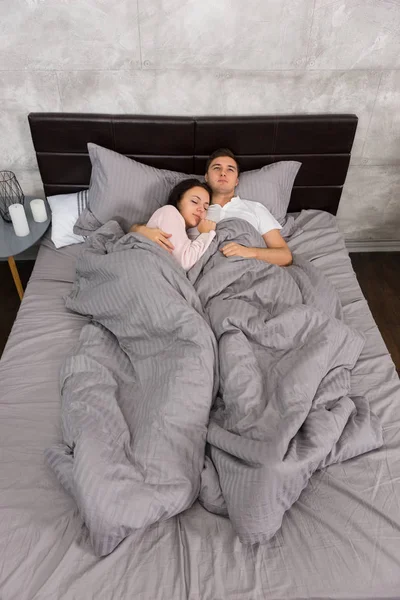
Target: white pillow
<point x="65" y="210"/>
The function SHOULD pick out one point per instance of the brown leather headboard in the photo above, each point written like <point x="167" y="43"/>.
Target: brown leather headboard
<point x="322" y="143"/>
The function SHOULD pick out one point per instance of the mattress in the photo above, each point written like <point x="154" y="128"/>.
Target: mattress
<point x="340" y="540"/>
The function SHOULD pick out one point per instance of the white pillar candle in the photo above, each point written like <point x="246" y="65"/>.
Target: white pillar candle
<point x="18" y="218"/>
<point x="38" y="209"/>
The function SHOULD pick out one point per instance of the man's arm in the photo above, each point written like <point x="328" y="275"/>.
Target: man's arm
<point x="276" y="253"/>
<point x="155" y="234"/>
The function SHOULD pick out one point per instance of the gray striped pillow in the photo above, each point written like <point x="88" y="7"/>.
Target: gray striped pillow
<point x="271" y="185"/>
<point x="124" y="189"/>
<point x="131" y="192"/>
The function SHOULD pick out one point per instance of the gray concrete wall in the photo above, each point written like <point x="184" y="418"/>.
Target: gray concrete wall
<point x="227" y="57"/>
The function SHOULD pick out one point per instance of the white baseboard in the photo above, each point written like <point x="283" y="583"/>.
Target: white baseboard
<point x="373" y="245"/>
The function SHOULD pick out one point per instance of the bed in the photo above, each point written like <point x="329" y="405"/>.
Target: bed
<point x="341" y="539"/>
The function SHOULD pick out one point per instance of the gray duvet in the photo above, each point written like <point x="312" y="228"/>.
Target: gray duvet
<point x="265" y="347"/>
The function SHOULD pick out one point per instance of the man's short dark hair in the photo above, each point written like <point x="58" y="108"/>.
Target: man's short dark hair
<point x="222" y="152"/>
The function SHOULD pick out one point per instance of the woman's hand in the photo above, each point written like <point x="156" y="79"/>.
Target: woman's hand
<point x="155" y="235"/>
<point x="233" y="249"/>
<point x="205" y="226"/>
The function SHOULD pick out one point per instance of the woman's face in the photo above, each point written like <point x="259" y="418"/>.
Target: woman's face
<point x="193" y="206"/>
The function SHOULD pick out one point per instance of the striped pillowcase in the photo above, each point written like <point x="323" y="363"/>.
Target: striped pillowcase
<point x="271" y="186"/>
<point x="82" y="199"/>
<point x="129" y="191"/>
<point x="123" y="189"/>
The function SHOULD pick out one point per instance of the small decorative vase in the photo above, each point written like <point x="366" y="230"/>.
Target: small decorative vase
<point x="10" y="193"/>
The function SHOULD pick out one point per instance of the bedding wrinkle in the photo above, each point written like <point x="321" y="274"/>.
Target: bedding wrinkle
<point x="131" y="367"/>
<point x="271" y="460"/>
<point x="318" y="552"/>
<point x="280" y="333"/>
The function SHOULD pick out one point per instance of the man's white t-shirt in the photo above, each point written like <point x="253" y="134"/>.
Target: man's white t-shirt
<point x="253" y="212"/>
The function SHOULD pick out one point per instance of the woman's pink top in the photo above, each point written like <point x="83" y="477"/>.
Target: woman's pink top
<point x="187" y="252"/>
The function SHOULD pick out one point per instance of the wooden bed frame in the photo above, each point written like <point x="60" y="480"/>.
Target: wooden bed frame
<point x="322" y="143"/>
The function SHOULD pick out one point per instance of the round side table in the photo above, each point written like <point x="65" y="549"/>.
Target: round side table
<point x="11" y="245"/>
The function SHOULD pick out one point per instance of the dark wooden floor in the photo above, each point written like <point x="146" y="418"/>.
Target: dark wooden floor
<point x="378" y="274"/>
<point x="9" y="299"/>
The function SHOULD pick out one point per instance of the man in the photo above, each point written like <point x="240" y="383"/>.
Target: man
<point x="222" y="175"/>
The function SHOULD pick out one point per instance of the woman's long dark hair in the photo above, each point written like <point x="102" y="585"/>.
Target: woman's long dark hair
<point x="181" y="188"/>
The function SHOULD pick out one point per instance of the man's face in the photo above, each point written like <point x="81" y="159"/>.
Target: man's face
<point x="222" y="175"/>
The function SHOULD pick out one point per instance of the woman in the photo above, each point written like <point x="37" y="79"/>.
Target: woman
<point x="187" y="207"/>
